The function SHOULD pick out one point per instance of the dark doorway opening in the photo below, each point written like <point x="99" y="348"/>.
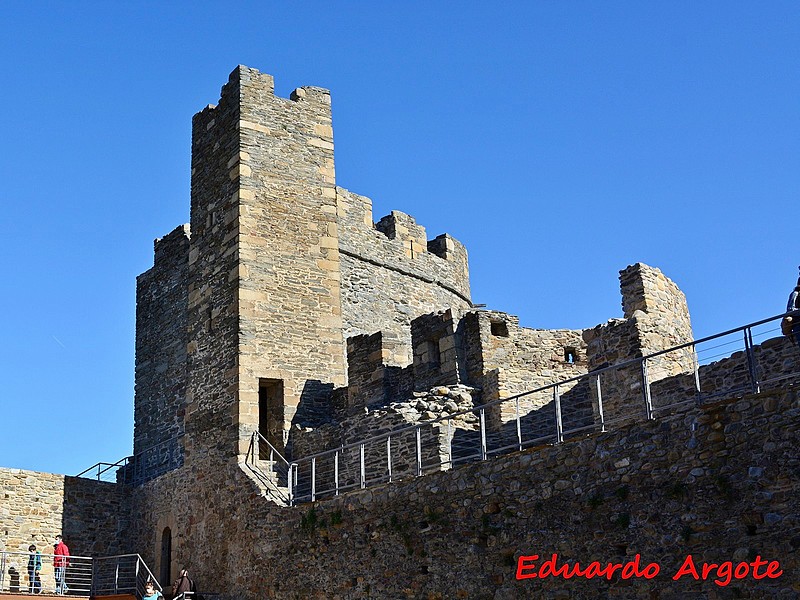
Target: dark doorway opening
<point x="165" y="576"/>
<point x="270" y="415"/>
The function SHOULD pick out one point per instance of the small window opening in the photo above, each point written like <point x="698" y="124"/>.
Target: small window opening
<point x="432" y="355"/>
<point x="499" y="328"/>
<point x="570" y="355"/>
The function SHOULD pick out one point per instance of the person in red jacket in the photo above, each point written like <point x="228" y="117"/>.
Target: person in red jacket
<point x="60" y="563"/>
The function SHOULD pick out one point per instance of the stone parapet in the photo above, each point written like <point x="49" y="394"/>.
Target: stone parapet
<point x="389" y="276"/>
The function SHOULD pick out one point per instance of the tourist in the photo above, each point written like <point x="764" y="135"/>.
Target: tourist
<point x="790" y="326"/>
<point x="150" y="592"/>
<point x="34" y="570"/>
<point x="60" y="562"/>
<point x="183" y="584"/>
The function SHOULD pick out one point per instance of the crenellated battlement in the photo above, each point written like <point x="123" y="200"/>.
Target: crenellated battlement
<point x="391" y="272"/>
<point x="355" y="217"/>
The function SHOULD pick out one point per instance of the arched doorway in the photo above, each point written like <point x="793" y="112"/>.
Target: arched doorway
<point x="165" y="576"/>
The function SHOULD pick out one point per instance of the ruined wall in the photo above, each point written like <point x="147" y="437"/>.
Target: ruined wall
<point x="371" y="378"/>
<point x="656" y="317"/>
<point x="161" y="320"/>
<point x="505" y="359"/>
<point x="666" y="321"/>
<point x="391" y="275"/>
<point x="91" y="515"/>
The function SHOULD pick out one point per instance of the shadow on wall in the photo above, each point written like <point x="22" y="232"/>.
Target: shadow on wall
<point x="314" y="408"/>
<point x="96" y="517"/>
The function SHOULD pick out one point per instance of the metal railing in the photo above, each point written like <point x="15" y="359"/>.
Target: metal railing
<point x="198" y="596"/>
<point x="142" y="466"/>
<point x="74" y="575"/>
<point x="270" y="467"/>
<point x="727" y="363"/>
<point x="55" y="575"/>
<point x="103" y="471"/>
<point x="637" y="389"/>
<point x="121" y="574"/>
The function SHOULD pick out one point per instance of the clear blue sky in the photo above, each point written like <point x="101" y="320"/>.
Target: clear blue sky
<point x="560" y="141"/>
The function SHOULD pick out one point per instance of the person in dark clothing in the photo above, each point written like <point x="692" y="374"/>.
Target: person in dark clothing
<point x="183" y="584"/>
<point x="793" y="306"/>
<point x="34" y="571"/>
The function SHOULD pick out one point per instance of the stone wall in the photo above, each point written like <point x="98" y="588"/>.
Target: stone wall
<point x="665" y="322"/>
<point x="213" y="298"/>
<point x="290" y="316"/>
<point x="775" y="361"/>
<point x="718" y="483"/>
<point x="92" y="516"/>
<point x="161" y="320"/>
<point x="391" y="275"/>
<point x="656" y="318"/>
<point x="508" y="359"/>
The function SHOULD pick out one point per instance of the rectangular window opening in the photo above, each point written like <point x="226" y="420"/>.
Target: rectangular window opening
<point x="499" y="328"/>
<point x="570" y="355"/>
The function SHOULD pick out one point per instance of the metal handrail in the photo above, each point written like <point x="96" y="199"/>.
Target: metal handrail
<point x="357" y="448"/>
<point x="275" y="457"/>
<point x="133" y="468"/>
<point x="108" y="466"/>
<point x="84" y="575"/>
<point x="549" y="386"/>
<point x="121" y="573"/>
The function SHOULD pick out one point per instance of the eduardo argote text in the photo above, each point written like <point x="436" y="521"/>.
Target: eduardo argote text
<point x="534" y="567"/>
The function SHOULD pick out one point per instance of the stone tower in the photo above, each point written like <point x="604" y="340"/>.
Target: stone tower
<point x="260" y="329"/>
<point x="264" y="310"/>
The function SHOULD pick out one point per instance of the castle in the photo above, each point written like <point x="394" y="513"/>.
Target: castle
<point x="284" y="322"/>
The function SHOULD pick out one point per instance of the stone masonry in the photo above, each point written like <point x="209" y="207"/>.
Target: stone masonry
<point x="284" y="314"/>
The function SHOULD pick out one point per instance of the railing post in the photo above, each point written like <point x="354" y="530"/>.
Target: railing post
<point x="696" y="368"/>
<point x="648" y="401"/>
<point x="483" y="434"/>
<point x="313" y="479"/>
<point x="389" y="456"/>
<point x="336" y="469"/>
<point x="559" y="422"/>
<point x="751" y="361"/>
<point x="519" y="425"/>
<point x="450" y="443"/>
<point x="419" y="451"/>
<point x="289" y="477"/>
<point x="116" y="575"/>
<point x="362" y="465"/>
<point x="600" y="403"/>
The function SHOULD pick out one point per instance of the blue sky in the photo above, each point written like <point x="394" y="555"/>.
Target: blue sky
<point x="560" y="141"/>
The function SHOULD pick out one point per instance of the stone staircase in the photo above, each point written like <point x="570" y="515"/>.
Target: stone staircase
<point x="270" y="479"/>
